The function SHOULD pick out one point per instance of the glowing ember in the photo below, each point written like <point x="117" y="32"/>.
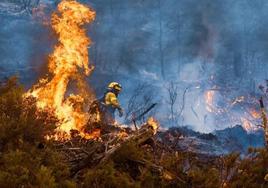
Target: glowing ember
<point x="122" y="134"/>
<point x="69" y="57"/>
<point x="153" y="123"/>
<point x="94" y="135"/>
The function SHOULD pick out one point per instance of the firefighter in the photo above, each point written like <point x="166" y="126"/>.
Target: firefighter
<point x="110" y="102"/>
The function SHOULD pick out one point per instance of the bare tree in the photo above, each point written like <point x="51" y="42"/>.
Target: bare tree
<point x="172" y="98"/>
<point x="140" y="100"/>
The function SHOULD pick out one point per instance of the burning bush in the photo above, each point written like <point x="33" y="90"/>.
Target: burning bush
<point x="68" y="63"/>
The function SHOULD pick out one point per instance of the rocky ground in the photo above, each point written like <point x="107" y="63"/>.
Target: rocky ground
<point x="225" y="141"/>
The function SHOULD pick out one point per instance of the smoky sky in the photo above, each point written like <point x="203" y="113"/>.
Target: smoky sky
<point x="152" y="41"/>
<point x="131" y="36"/>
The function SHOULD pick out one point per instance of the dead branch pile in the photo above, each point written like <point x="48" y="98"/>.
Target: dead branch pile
<point x="81" y="153"/>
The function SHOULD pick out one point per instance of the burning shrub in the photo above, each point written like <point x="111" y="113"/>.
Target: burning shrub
<point x="68" y="64"/>
<point x="28" y="159"/>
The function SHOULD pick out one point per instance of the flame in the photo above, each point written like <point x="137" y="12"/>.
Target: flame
<point x="122" y="134"/>
<point x="211" y="104"/>
<point x="153" y="124"/>
<point x="69" y="58"/>
<point x="247" y="125"/>
<point x="255" y="114"/>
<point x="209" y="97"/>
<point x="94" y="135"/>
<point x="240" y="110"/>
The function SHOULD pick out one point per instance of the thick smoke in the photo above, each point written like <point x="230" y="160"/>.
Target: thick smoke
<point x="198" y="45"/>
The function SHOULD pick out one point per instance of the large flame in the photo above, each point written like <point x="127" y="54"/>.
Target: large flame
<point x="68" y="62"/>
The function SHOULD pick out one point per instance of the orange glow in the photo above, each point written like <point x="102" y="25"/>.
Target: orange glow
<point x="255" y="114"/>
<point x="94" y="135"/>
<point x="209" y="97"/>
<point x="68" y="62"/>
<point x="122" y="134"/>
<point x="153" y="123"/>
<point x="247" y="125"/>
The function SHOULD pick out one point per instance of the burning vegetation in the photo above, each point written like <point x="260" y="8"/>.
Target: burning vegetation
<point x="68" y="63"/>
<point x="233" y="110"/>
<point x="133" y="159"/>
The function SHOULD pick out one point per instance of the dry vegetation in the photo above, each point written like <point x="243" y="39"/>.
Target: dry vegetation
<point x="28" y="160"/>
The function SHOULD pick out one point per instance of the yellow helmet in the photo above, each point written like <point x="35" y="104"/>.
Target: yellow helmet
<point x="115" y="85"/>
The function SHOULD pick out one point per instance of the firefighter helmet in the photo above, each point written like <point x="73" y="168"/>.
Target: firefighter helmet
<point x="115" y="85"/>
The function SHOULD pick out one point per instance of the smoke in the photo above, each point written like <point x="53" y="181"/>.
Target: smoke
<point x="197" y="44"/>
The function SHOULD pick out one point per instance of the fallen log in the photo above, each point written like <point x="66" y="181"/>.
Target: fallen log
<point x="141" y="136"/>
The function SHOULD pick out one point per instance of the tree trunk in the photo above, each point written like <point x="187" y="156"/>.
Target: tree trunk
<point x="160" y="42"/>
